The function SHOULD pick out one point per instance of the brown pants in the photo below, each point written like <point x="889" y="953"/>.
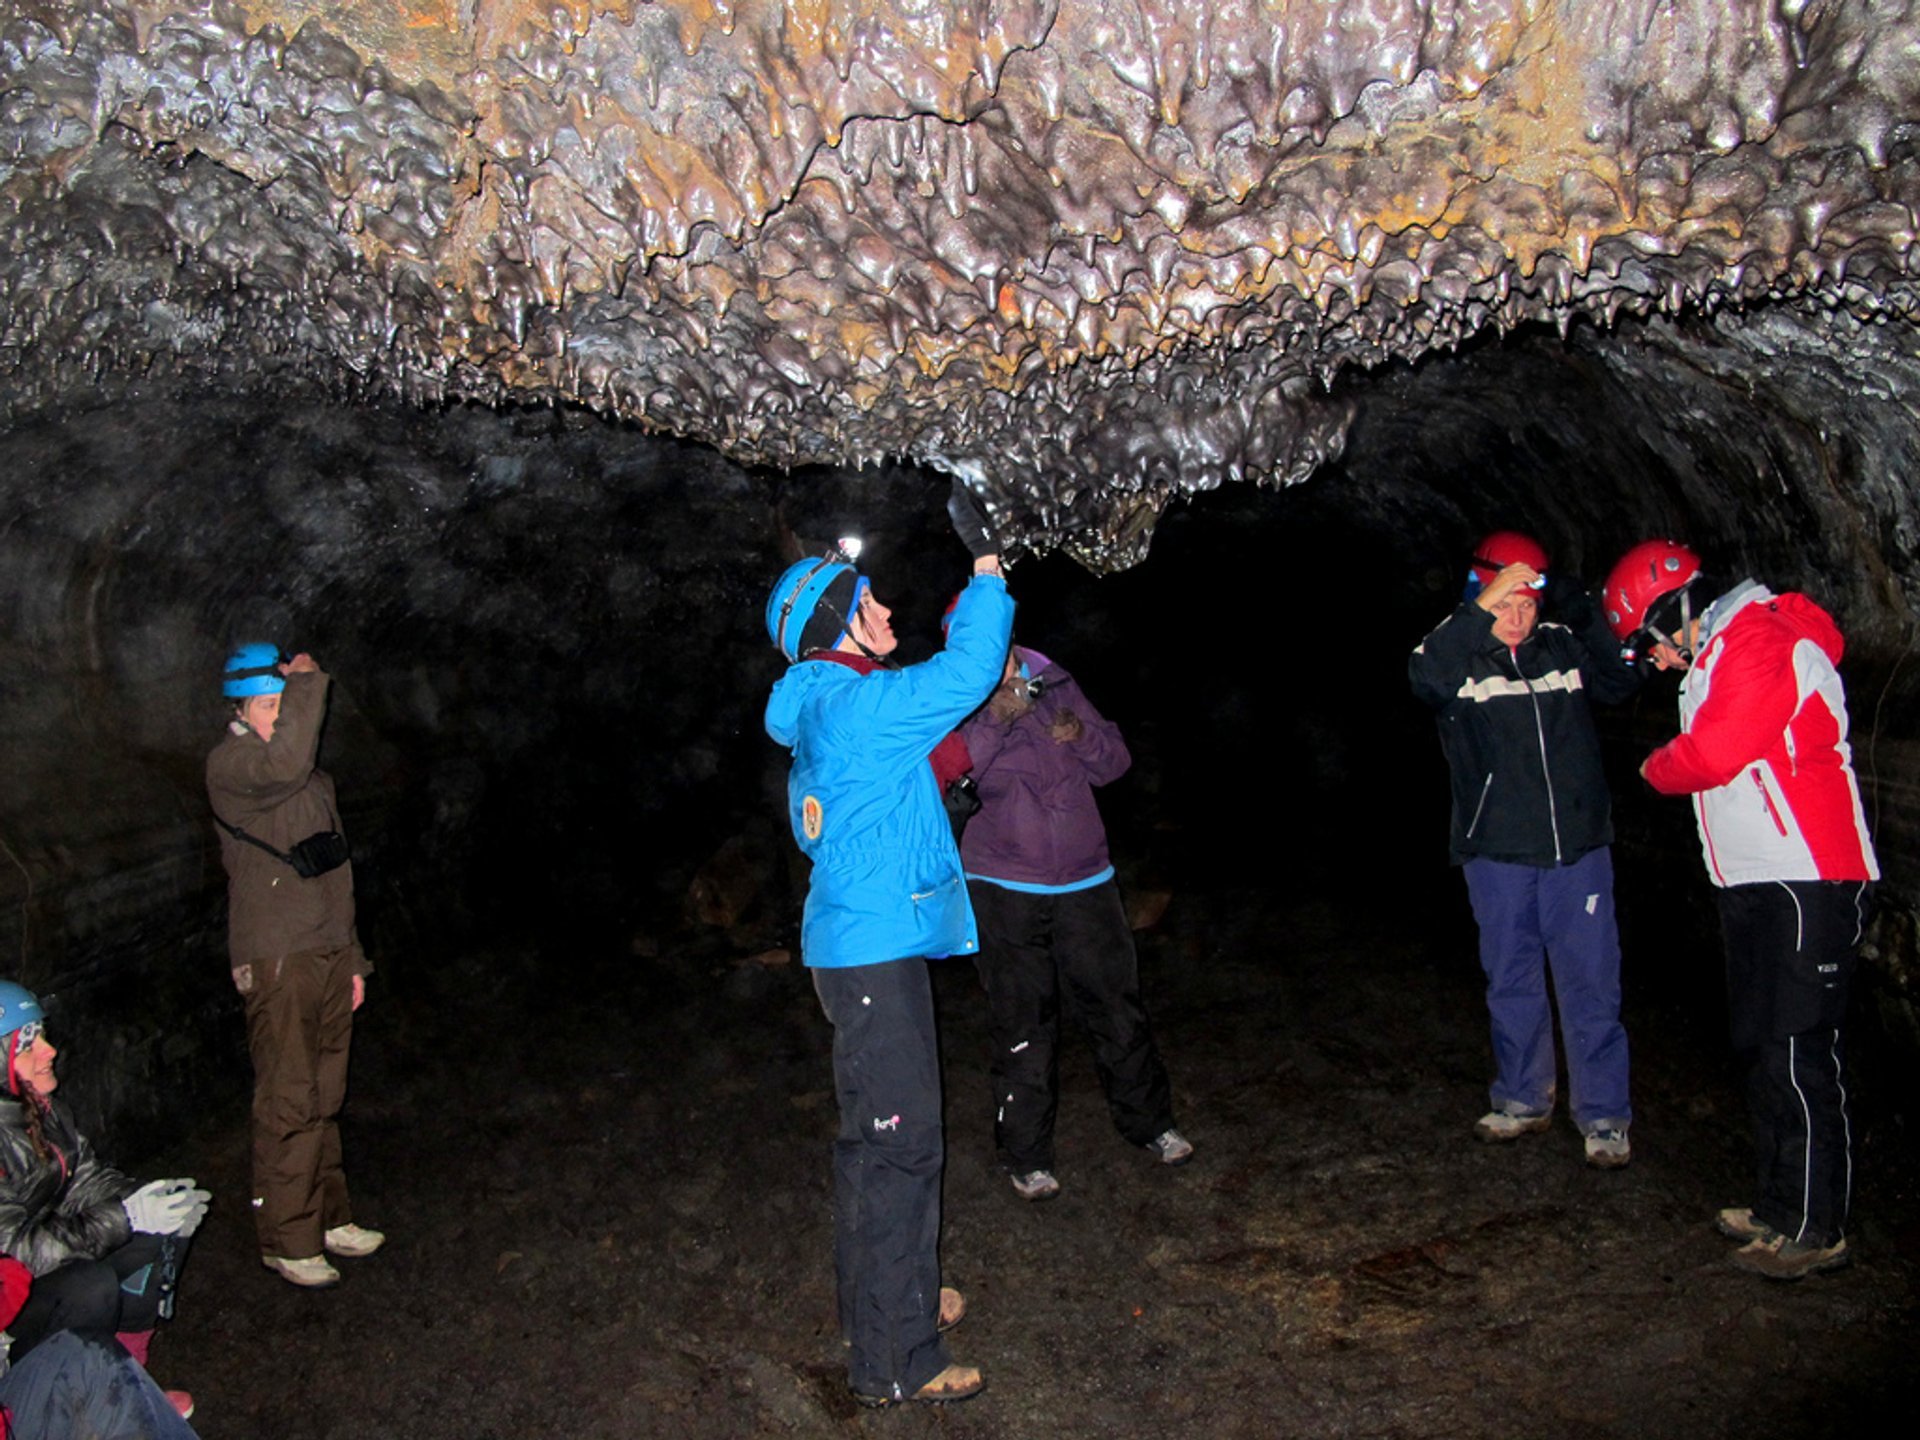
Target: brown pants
<point x="299" y="1028"/>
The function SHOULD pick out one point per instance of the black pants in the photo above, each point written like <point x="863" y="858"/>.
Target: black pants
<point x="1033" y="950"/>
<point x="886" y="1173"/>
<point x="1790" y="955"/>
<point x="121" y="1291"/>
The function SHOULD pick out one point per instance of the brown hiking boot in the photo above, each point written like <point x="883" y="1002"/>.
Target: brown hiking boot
<point x="953" y="1308"/>
<point x="1737" y="1222"/>
<point x="956" y="1382"/>
<point x="1778" y="1258"/>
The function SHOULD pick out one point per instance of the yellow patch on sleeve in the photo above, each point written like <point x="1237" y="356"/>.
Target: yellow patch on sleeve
<point x="811" y="816"/>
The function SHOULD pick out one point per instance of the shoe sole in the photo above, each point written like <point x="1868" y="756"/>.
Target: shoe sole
<point x="1609" y="1162"/>
<point x="883" y="1402"/>
<point x="1819" y="1267"/>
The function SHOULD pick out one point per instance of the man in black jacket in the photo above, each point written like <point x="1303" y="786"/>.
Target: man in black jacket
<point x="1532" y="827"/>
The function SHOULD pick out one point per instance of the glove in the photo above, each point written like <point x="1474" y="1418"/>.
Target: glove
<point x="970" y="521"/>
<point x="1008" y="703"/>
<point x="195" y="1209"/>
<point x="166" y="1207"/>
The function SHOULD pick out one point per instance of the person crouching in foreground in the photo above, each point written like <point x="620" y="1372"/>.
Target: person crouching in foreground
<point x="104" y="1250"/>
<point x="886" y="894"/>
<point x="295" y="954"/>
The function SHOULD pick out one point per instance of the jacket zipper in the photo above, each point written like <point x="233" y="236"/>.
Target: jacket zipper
<point x="1766" y="799"/>
<point x="1546" y="770"/>
<point x="1484" y="788"/>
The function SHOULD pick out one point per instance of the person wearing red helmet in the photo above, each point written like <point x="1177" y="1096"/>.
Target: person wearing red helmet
<point x="1763" y="750"/>
<point x="1532" y="832"/>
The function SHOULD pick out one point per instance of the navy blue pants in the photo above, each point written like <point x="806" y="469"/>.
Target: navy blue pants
<point x="1534" y="921"/>
<point x="887" y="1161"/>
<point x="84" y="1385"/>
<point x="1790" y="956"/>
<point x="1034" y="949"/>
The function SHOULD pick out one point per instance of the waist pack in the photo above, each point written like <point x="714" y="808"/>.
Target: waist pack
<point x="317" y="854"/>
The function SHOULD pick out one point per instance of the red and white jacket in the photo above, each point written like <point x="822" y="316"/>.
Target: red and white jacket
<point x="1763" y="745"/>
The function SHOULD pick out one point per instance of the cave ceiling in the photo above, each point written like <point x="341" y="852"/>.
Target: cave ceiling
<point x="1091" y="254"/>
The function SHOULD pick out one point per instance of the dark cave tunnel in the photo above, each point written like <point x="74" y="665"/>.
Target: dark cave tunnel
<point x="546" y="632"/>
<point x="547" y="637"/>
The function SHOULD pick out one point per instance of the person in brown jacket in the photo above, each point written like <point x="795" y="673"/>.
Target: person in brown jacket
<point x="296" y="958"/>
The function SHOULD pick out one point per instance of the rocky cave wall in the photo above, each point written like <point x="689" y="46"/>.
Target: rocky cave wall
<point x="498" y="352"/>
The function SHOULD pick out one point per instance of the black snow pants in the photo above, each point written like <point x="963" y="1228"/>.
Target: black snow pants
<point x="1035" y="949"/>
<point x="1790" y="955"/>
<point x="887" y="1163"/>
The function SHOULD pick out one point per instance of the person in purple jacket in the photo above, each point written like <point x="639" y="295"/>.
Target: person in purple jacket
<point x="1051" y="922"/>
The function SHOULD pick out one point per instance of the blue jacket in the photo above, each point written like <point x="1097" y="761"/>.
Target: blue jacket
<point x="862" y="799"/>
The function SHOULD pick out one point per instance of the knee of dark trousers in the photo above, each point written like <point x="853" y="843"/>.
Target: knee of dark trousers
<point x="80" y="1295"/>
<point x="907" y="1145"/>
<point x="287" y="1112"/>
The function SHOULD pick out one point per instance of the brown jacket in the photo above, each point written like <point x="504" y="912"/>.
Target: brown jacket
<point x="273" y="792"/>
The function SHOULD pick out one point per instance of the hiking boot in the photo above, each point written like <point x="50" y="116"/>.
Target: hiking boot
<point x="956" y="1382"/>
<point x="1035" y="1185"/>
<point x="1608" y="1149"/>
<point x="953" y="1309"/>
<point x="352" y="1241"/>
<point x="1737" y="1222"/>
<point x="1778" y="1258"/>
<point x="312" y="1273"/>
<point x="1170" y="1147"/>
<point x="1509" y="1122"/>
<point x="181" y="1401"/>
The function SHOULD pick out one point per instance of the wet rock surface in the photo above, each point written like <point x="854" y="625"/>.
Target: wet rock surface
<point x="1091" y="255"/>
<point x="610" y="1216"/>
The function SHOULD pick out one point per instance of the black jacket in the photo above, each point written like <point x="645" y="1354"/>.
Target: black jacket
<point x="59" y="1209"/>
<point x="1528" y="787"/>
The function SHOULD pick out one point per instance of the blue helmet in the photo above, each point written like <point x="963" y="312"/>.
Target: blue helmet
<point x="812" y="605"/>
<point x="18" y="1010"/>
<point x="18" y="1006"/>
<point x="253" y="670"/>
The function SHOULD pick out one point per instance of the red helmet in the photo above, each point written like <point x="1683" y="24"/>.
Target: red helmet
<point x="1503" y="548"/>
<point x="1646" y="572"/>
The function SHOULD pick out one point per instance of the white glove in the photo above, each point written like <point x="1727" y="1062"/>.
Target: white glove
<point x="193" y="1208"/>
<point x="166" y="1207"/>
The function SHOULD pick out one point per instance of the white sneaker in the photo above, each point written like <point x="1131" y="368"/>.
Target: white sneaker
<point x="1497" y="1126"/>
<point x="352" y="1241"/>
<point x="1170" y="1147"/>
<point x="1608" y="1149"/>
<point x="312" y="1273"/>
<point x="1035" y="1185"/>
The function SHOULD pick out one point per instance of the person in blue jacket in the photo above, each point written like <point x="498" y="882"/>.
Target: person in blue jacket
<point x="886" y="895"/>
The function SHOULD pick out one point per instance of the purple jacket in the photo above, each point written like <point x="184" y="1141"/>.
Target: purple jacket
<point x="1038" y="823"/>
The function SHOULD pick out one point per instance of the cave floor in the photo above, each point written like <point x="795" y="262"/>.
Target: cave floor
<point x="607" y="1200"/>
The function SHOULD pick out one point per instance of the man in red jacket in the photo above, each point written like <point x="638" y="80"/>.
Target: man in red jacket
<point x="1763" y="750"/>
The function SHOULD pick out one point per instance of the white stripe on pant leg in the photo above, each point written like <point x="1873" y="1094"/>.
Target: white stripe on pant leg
<point x="1806" y="1165"/>
<point x="1846" y="1130"/>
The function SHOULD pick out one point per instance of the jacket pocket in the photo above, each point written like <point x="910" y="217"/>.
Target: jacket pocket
<point x="1766" y="799"/>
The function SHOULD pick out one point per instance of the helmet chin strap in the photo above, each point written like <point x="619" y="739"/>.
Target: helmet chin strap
<point x="1685" y="647"/>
